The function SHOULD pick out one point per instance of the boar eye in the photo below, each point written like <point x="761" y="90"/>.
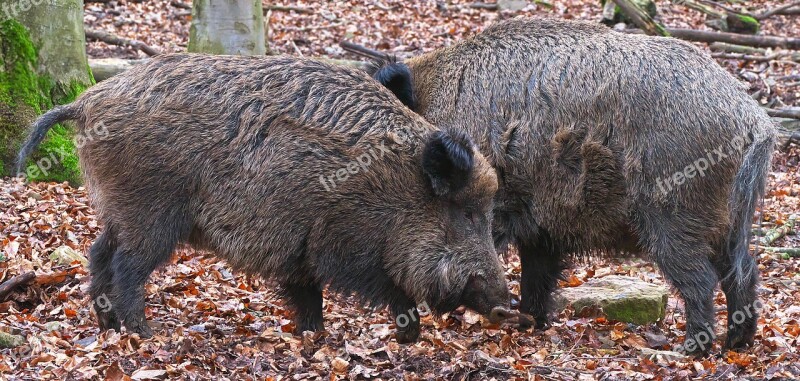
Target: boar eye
<point x="470" y="215"/>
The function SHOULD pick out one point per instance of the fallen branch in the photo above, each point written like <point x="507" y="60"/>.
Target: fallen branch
<point x="786" y="138"/>
<point x="487" y="6"/>
<point x="182" y="5"/>
<point x="641" y="18"/>
<point x="793" y="252"/>
<point x="698" y="6"/>
<point x="11" y="284"/>
<point x="795" y="57"/>
<point x="731" y="38"/>
<point x="105" y="68"/>
<point x="745" y="57"/>
<point x="791" y="113"/>
<point x="731" y="48"/>
<point x="109" y="38"/>
<point x="287" y="8"/>
<point x="777" y="233"/>
<point x="363" y="51"/>
<point x="315" y="27"/>
<point x="780" y="11"/>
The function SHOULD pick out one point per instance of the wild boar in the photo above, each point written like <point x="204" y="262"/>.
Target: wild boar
<point x="604" y="141"/>
<point x="300" y="171"/>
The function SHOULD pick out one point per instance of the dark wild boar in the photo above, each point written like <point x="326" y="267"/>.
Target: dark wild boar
<point x="302" y="172"/>
<point x="609" y="142"/>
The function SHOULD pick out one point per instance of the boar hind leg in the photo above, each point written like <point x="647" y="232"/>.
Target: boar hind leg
<point x="139" y="253"/>
<point x="741" y="298"/>
<point x="102" y="286"/>
<point x="306" y="301"/>
<point x="542" y="266"/>
<point x="686" y="264"/>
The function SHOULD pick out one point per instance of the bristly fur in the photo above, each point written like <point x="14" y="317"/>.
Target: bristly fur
<point x="584" y="126"/>
<point x="292" y="169"/>
<point x="396" y="76"/>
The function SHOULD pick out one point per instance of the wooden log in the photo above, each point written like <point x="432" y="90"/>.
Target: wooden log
<point x="791" y="113"/>
<point x="733" y="38"/>
<point x="287" y="8"/>
<point x="108" y="38"/>
<point x="732" y="48"/>
<point x="11" y="284"/>
<point x="788" y="9"/>
<point x="180" y="4"/>
<point x="106" y="68"/>
<point x="641" y="18"/>
<point x="775" y="234"/>
<point x="363" y="51"/>
<point x="793" y="252"/>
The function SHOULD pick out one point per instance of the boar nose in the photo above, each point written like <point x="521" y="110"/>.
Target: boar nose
<point x="499" y="314"/>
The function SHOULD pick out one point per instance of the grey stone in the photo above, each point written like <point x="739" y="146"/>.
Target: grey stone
<point x="620" y="298"/>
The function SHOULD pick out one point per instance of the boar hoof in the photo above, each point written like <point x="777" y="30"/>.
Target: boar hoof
<point x="139" y="327"/>
<point x="108" y="320"/>
<point x="409" y="333"/>
<point x="541" y="323"/>
<point x="736" y="342"/>
<point x="407" y="336"/>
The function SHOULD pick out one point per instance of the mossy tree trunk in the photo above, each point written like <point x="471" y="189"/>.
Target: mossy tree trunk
<point x="227" y="27"/>
<point x="43" y="52"/>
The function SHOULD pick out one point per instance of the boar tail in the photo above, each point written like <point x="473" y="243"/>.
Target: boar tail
<point x="39" y="130"/>
<point x="748" y="189"/>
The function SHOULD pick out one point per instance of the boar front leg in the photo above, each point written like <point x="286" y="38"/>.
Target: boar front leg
<point x="542" y="265"/>
<point x="406" y="319"/>
<point x="306" y="301"/>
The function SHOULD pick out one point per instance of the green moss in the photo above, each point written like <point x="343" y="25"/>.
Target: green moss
<point x="742" y="24"/>
<point x="637" y="311"/>
<point x="25" y="95"/>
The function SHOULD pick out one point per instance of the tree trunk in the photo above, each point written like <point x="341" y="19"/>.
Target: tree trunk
<point x="44" y="64"/>
<point x="227" y="27"/>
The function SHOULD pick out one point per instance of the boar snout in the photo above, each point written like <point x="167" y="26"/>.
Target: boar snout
<point x="490" y="299"/>
<point x="500" y="314"/>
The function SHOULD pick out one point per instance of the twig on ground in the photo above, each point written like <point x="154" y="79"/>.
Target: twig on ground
<point x="731" y="38"/>
<point x="782" y="10"/>
<point x="777" y="233"/>
<point x="108" y="38"/>
<point x="791" y="113"/>
<point x="287" y="8"/>
<point x="363" y="51"/>
<point x="180" y="4"/>
<point x="316" y="27"/>
<point x="11" y="284"/>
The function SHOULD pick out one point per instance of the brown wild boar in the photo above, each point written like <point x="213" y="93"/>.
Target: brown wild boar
<point x="604" y="141"/>
<point x="300" y="171"/>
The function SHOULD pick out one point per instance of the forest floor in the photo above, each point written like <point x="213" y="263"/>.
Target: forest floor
<point x="214" y="323"/>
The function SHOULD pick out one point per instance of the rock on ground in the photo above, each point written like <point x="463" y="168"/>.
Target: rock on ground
<point x="621" y="298"/>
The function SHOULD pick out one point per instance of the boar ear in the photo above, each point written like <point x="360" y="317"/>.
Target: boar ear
<point x="448" y="161"/>
<point x="396" y="76"/>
